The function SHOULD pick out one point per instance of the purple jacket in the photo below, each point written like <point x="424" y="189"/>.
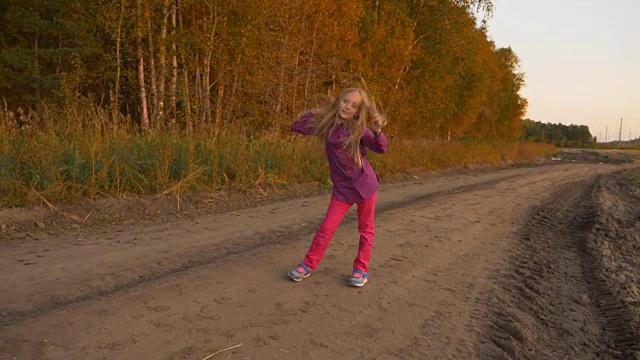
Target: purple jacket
<point x="350" y="183"/>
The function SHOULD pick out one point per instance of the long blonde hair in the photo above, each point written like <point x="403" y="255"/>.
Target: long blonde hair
<point x="326" y="119"/>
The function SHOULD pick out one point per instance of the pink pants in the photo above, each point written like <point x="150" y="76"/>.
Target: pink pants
<point x="335" y="214"/>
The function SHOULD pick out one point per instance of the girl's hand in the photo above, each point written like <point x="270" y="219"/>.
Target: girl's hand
<point x="377" y="122"/>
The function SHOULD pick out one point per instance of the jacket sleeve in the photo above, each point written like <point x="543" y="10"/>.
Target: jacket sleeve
<point x="375" y="143"/>
<point x="304" y="124"/>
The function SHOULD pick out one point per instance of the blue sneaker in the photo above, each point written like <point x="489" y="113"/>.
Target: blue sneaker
<point x="300" y="272"/>
<point x="358" y="278"/>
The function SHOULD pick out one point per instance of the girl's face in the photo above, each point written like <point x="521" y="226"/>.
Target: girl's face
<point x="349" y="105"/>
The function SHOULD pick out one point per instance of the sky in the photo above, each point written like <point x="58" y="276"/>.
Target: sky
<point x="581" y="60"/>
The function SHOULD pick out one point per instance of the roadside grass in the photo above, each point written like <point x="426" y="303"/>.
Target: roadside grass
<point x="72" y="163"/>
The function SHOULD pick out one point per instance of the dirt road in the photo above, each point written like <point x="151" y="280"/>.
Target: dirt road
<point x="517" y="263"/>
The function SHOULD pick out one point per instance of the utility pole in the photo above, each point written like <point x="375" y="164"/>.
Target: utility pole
<point x="620" y="134"/>
<point x="606" y="134"/>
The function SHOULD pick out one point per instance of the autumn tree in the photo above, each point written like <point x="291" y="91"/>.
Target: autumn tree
<point x="249" y="66"/>
<point x="47" y="47"/>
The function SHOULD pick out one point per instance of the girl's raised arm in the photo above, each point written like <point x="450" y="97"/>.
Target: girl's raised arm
<point x="377" y="143"/>
<point x="305" y="124"/>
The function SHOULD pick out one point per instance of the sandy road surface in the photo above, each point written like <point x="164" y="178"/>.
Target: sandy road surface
<point x="451" y="277"/>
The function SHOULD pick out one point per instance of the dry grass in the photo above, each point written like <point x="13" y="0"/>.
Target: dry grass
<point x="420" y="155"/>
<point x="88" y="161"/>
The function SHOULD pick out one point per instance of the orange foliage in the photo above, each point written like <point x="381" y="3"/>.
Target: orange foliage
<point x="249" y="66"/>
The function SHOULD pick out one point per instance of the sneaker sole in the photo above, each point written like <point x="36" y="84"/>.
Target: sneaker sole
<point x="358" y="284"/>
<point x="298" y="279"/>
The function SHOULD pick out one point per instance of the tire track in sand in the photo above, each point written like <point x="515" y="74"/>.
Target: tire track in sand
<point x="556" y="300"/>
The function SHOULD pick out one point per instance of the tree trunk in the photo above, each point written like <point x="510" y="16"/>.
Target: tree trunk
<point x="206" y="106"/>
<point x="152" y="67"/>
<point x="405" y="69"/>
<point x="162" y="59"/>
<point x="294" y="87"/>
<point x="116" y="96"/>
<point x="174" y="71"/>
<point x="313" y="49"/>
<point x="283" y="71"/>
<point x="144" y="119"/>
<point x="60" y="46"/>
<point x="185" y="74"/>
<point x="236" y="78"/>
<point x="36" y="65"/>
<point x="219" y="108"/>
<point x="198" y="89"/>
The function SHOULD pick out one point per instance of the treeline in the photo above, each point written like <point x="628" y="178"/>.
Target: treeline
<point x="557" y="134"/>
<point x="251" y="65"/>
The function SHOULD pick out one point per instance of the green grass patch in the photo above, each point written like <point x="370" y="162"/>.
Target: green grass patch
<point x="88" y="164"/>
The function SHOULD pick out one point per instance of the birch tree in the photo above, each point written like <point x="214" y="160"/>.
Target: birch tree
<point x="144" y="115"/>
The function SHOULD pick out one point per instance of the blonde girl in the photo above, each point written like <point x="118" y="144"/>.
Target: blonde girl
<point x="349" y="126"/>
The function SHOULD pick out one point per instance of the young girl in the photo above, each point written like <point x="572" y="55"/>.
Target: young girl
<point x="343" y="127"/>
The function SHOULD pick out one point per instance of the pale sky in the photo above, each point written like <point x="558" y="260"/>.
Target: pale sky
<point x="581" y="60"/>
